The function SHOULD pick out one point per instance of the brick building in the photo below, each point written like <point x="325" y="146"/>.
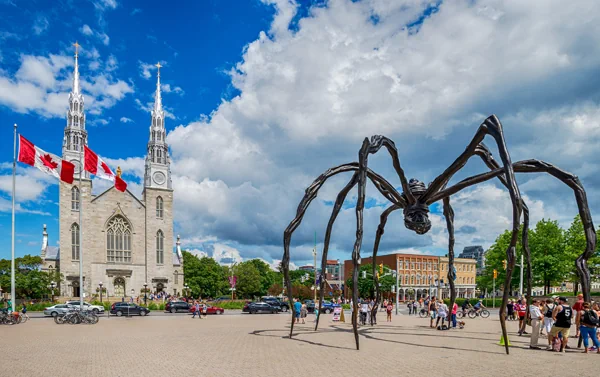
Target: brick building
<point x="419" y="275"/>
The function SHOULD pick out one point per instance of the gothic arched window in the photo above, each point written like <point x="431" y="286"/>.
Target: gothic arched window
<point x="75" y="241"/>
<point x="76" y="106"/>
<point x="74" y="199"/>
<point x="118" y="240"/>
<point x="176" y="277"/>
<point x="159" y="207"/>
<point x="160" y="249"/>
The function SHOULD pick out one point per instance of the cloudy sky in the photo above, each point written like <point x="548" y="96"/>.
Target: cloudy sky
<point x="263" y="96"/>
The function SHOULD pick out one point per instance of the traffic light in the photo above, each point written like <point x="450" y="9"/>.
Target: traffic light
<point x="495" y="274"/>
<point x="504" y="264"/>
<point x="381" y="268"/>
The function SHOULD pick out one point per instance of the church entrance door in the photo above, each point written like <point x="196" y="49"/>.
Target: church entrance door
<point x="119" y="284"/>
<point x="75" y="287"/>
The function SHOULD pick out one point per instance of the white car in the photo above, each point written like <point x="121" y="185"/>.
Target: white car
<point x="87" y="306"/>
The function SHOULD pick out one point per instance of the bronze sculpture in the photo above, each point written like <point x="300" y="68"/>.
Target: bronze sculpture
<point x="415" y="199"/>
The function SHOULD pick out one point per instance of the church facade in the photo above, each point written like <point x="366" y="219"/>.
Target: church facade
<point x="125" y="241"/>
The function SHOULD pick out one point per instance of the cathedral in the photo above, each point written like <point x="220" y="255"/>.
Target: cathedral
<point x="125" y="241"/>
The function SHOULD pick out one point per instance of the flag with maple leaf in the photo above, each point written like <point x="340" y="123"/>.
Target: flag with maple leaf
<point x="47" y="162"/>
<point x="95" y="165"/>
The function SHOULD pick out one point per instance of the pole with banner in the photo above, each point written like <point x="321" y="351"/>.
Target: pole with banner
<point x="232" y="282"/>
<point x="494" y="289"/>
<point x="12" y="247"/>
<point x="81" y="164"/>
<point x="397" y="286"/>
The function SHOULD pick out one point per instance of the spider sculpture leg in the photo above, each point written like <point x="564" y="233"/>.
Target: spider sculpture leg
<point x="449" y="215"/>
<point x="380" y="231"/>
<point x="485" y="154"/>
<point x="491" y="126"/>
<point x="386" y="189"/>
<point x="334" y="213"/>
<point x="571" y="180"/>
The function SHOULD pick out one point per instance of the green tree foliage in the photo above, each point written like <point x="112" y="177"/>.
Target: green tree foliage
<point x="493" y="260"/>
<point x="575" y="244"/>
<point x="30" y="280"/>
<point x="248" y="280"/>
<point x="204" y="276"/>
<point x="548" y="257"/>
<point x="366" y="288"/>
<point x="267" y="276"/>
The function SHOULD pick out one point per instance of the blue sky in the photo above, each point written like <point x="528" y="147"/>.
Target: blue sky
<point x="264" y="96"/>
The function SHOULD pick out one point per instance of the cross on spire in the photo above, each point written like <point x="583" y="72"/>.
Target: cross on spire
<point x="77" y="45"/>
<point x="158" y="67"/>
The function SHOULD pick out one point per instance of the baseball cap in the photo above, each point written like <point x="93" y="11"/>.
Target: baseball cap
<point x="563" y="298"/>
<point x="554" y="297"/>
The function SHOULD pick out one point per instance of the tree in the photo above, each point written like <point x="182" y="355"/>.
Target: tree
<point x="30" y="280"/>
<point x="366" y="288"/>
<point x="248" y="280"/>
<point x="204" y="276"/>
<point x="548" y="257"/>
<point x="574" y="244"/>
<point x="267" y="278"/>
<point x="494" y="258"/>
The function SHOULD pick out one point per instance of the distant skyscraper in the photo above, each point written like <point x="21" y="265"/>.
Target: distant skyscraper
<point x="474" y="252"/>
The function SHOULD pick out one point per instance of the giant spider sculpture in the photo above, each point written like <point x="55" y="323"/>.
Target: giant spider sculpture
<point x="416" y="198"/>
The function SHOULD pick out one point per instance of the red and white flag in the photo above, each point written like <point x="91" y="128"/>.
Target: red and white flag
<point x="46" y="162"/>
<point x="95" y="165"/>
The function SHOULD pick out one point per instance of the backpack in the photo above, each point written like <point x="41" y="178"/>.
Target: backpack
<point x="590" y="317"/>
<point x="556" y="344"/>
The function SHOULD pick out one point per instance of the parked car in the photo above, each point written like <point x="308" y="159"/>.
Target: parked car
<point x="177" y="306"/>
<point x="259" y="307"/>
<point x="274" y="301"/>
<point x="209" y="309"/>
<point x="87" y="306"/>
<point x="126" y="308"/>
<point x="310" y="306"/>
<point x="328" y="307"/>
<point x="222" y="298"/>
<point x="56" y="310"/>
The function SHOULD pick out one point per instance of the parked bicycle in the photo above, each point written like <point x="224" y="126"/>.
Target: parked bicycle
<point x="75" y="317"/>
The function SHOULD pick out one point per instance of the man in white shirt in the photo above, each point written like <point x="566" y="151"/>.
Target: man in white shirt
<point x="536" y="318"/>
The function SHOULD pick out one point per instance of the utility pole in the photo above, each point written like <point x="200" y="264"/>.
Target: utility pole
<point x="397" y="286"/>
<point x="521" y="279"/>
<point x="315" y="264"/>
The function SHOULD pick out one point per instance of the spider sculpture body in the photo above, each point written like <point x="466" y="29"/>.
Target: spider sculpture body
<point x="416" y="198"/>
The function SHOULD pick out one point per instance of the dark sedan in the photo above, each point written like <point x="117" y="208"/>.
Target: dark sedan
<point x="177" y="306"/>
<point x="260" y="307"/>
<point x="125" y="308"/>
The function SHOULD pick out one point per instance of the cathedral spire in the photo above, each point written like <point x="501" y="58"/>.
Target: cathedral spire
<point x="158" y="163"/>
<point x="76" y="87"/>
<point x="157" y="96"/>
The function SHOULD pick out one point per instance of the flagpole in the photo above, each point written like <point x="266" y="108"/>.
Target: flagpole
<point x="80" y="227"/>
<point x="12" y="259"/>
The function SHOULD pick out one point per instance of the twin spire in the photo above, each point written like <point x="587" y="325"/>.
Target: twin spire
<point x="157" y="96"/>
<point x="76" y="87"/>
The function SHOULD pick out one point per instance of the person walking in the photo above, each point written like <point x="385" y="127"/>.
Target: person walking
<point x="196" y="310"/>
<point x="442" y="314"/>
<point x="432" y="311"/>
<point x="562" y="315"/>
<point x="587" y="322"/>
<point x="510" y="310"/>
<point x="548" y="321"/>
<point x="24" y="310"/>
<point x="388" y="310"/>
<point x="303" y="313"/>
<point x="521" y="310"/>
<point x="204" y="309"/>
<point x="410" y="308"/>
<point x="364" y="309"/>
<point x="414" y="304"/>
<point x="536" y="318"/>
<point x="577" y="307"/>
<point x="297" y="309"/>
<point x="453" y="315"/>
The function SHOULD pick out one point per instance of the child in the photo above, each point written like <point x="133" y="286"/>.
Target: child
<point x="388" y="310"/>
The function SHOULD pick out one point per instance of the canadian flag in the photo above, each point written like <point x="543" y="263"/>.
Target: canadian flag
<point x="98" y="167"/>
<point x="46" y="162"/>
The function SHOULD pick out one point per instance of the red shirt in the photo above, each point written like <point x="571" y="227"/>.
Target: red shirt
<point x="578" y="306"/>
<point x="522" y="309"/>
<point x="454" y="308"/>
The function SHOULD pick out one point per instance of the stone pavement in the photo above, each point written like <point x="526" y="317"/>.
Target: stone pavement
<point x="255" y="345"/>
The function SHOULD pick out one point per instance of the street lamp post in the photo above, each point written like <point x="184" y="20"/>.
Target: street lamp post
<point x="187" y="290"/>
<point x="52" y="286"/>
<point x="100" y="285"/>
<point x="146" y="294"/>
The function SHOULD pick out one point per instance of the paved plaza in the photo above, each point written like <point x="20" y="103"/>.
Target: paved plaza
<point x="255" y="345"/>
